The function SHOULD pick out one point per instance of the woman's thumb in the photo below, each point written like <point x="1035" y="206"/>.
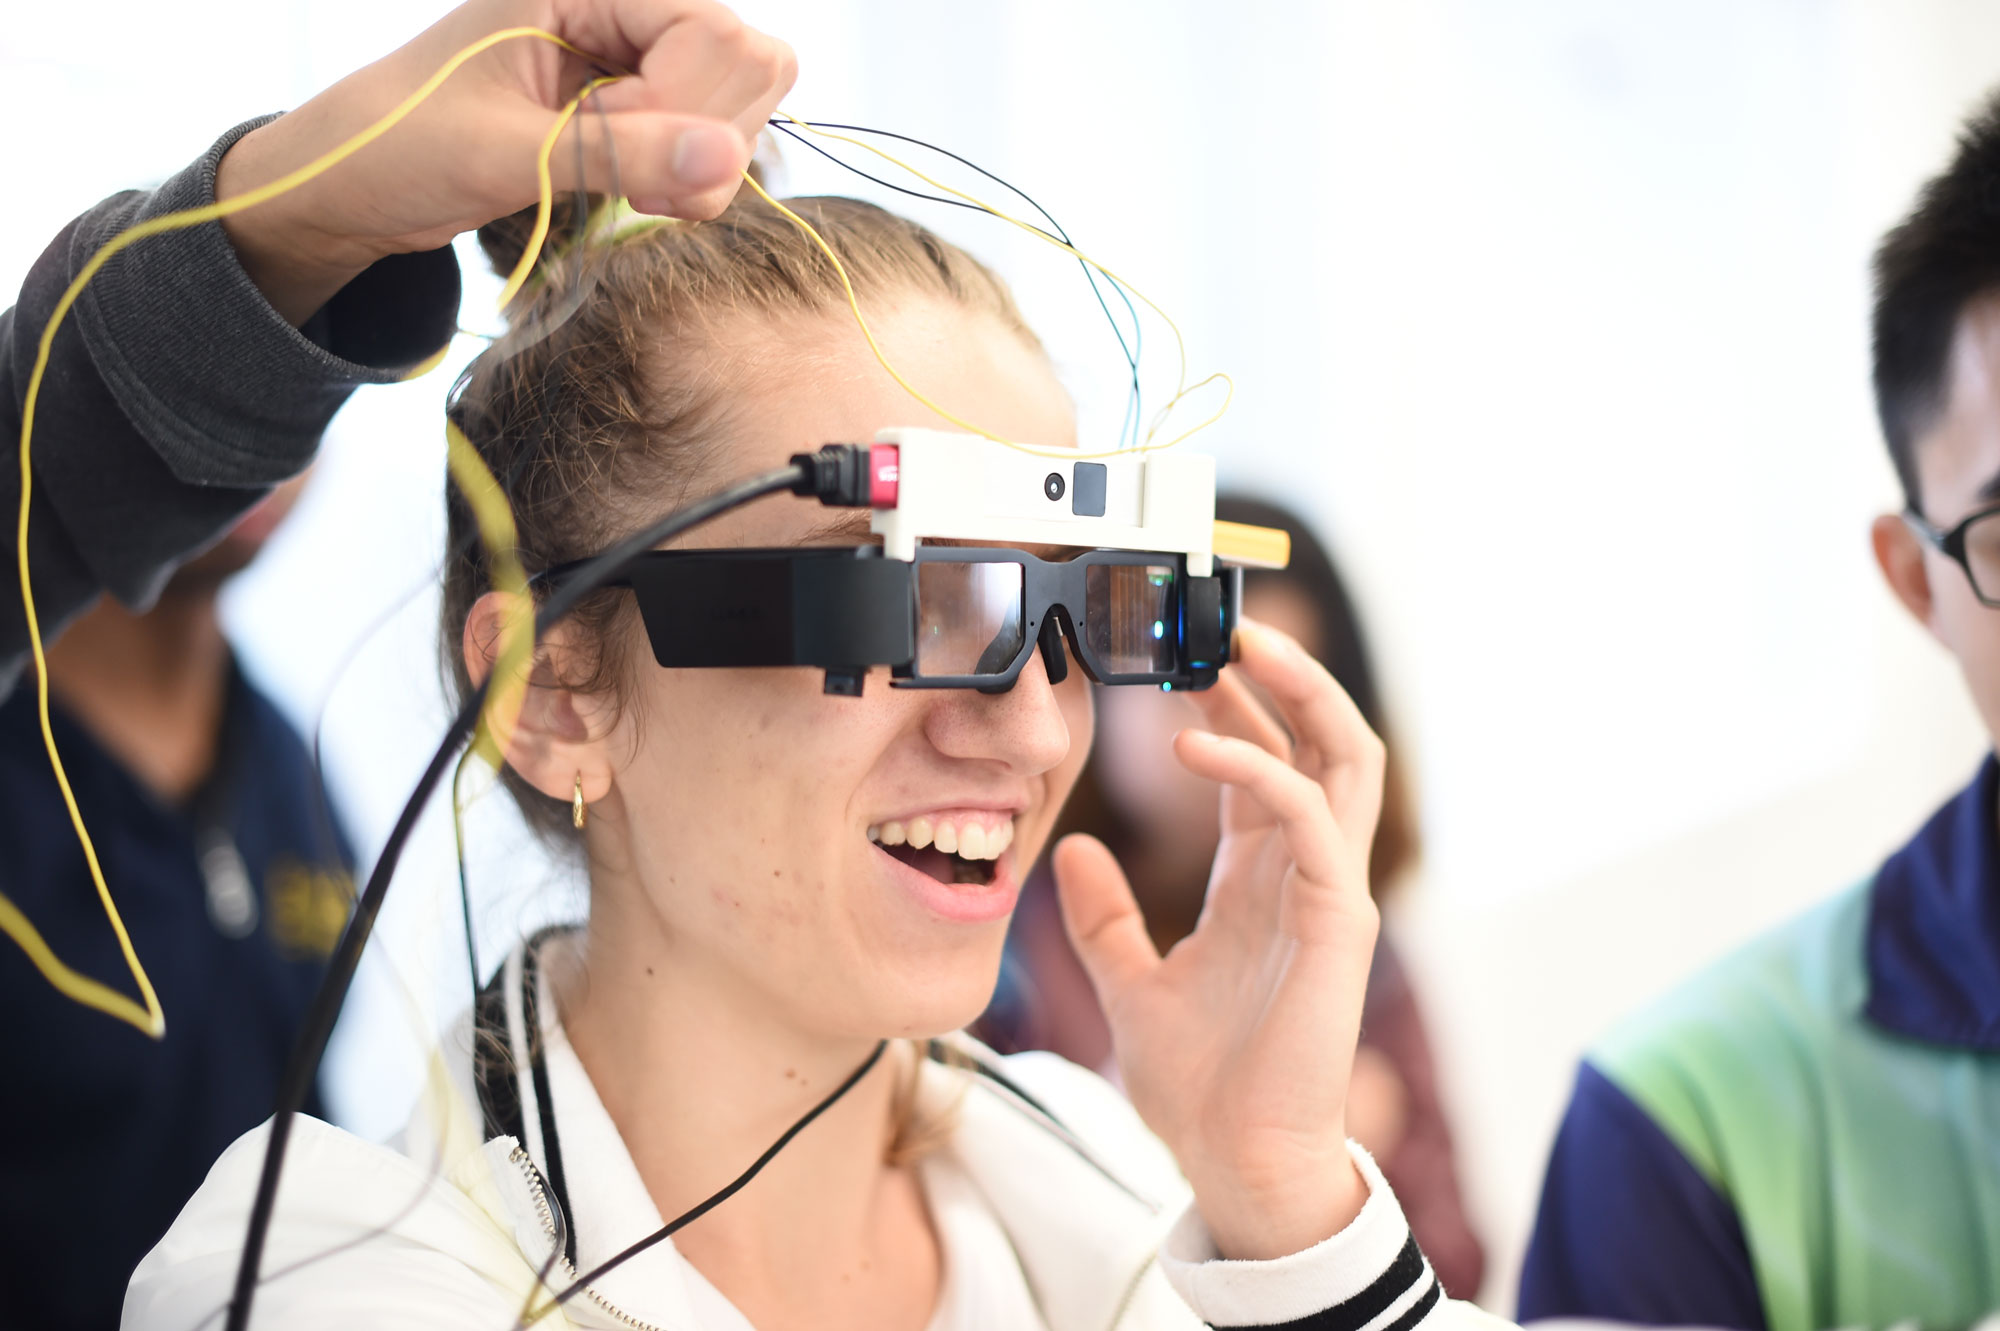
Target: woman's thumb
<point x="1101" y="915"/>
<point x="665" y="163"/>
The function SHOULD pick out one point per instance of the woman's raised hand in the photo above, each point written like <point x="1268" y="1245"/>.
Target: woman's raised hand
<point x="1237" y="1046"/>
<point x="701" y="85"/>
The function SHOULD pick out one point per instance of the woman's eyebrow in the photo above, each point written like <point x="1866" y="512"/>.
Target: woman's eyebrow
<point x="852" y="528"/>
<point x="847" y="528"/>
<point x="1053" y="554"/>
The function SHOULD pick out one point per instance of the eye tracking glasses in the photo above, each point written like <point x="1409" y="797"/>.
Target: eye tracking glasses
<point x="951" y="617"/>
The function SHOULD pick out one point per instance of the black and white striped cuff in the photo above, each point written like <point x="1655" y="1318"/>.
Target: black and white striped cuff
<point x="1371" y="1276"/>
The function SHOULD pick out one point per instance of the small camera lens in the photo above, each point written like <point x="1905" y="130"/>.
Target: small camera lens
<point x="1053" y="486"/>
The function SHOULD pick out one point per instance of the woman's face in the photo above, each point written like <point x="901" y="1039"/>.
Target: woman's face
<point x="738" y="841"/>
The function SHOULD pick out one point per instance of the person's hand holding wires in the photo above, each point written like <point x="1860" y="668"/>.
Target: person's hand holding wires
<point x="1237" y="1046"/>
<point x="677" y="131"/>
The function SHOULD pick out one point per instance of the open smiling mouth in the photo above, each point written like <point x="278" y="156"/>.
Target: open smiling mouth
<point x="955" y="869"/>
<point x="966" y="856"/>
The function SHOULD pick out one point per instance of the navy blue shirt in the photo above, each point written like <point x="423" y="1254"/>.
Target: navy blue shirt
<point x="107" y="1133"/>
<point x="1630" y="1230"/>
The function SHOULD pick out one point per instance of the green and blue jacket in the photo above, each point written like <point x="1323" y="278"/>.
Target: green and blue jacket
<point x="1807" y="1135"/>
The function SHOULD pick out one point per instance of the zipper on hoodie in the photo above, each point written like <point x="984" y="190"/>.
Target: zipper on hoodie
<point x="545" y="1212"/>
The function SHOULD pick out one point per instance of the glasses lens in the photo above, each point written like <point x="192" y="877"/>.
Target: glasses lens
<point x="1131" y="618"/>
<point x="968" y="618"/>
<point x="1982" y="556"/>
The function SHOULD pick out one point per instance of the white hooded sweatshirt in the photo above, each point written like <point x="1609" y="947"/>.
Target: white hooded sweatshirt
<point x="1056" y="1210"/>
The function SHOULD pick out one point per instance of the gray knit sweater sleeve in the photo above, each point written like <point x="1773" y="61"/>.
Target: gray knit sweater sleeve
<point x="175" y="396"/>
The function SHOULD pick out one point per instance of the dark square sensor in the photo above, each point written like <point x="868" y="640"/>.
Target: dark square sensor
<point x="1086" y="490"/>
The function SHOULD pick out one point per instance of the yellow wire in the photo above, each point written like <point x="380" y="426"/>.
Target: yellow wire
<point x="1183" y="387"/>
<point x="469" y="472"/>
<point x="526" y="263"/>
<point x="496" y="531"/>
<point x="1179" y="343"/>
<point x="840" y="271"/>
<point x="81" y="988"/>
<point x="492" y="513"/>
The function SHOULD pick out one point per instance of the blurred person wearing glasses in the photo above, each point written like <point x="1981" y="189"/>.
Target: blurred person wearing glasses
<point x="1808" y="1134"/>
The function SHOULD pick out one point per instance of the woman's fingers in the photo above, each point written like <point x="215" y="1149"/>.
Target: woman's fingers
<point x="1335" y="747"/>
<point x="697" y="86"/>
<point x="1286" y="797"/>
<point x="1103" y="920"/>
<point x="743" y="89"/>
<point x="1232" y="709"/>
<point x="628" y="34"/>
<point x="698" y="58"/>
<point x="675" y="135"/>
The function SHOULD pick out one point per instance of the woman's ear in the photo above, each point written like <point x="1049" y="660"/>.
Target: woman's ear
<point x="561" y="735"/>
<point x="1900" y="555"/>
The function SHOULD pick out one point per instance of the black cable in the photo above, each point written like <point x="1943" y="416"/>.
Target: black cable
<point x="1131" y="351"/>
<point x="310" y="1046"/>
<point x="1061" y="233"/>
<point x="945" y="199"/>
<point x="1133" y="411"/>
<point x="463" y="546"/>
<point x="454" y="551"/>
<point x="388" y="1226"/>
<point x="714" y="1199"/>
<point x="464" y="884"/>
<point x="584" y="226"/>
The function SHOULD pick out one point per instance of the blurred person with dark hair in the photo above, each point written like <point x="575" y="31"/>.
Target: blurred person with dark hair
<point x="1807" y="1134"/>
<point x="1162" y="824"/>
<point x="184" y="395"/>
<point x="234" y="882"/>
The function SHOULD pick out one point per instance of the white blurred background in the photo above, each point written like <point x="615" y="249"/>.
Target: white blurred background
<point x="1553" y="313"/>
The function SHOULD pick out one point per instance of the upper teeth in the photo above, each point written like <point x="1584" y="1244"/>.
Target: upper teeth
<point x="967" y="840"/>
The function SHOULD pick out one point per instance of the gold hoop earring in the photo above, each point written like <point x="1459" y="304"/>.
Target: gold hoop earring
<point x="579" y="812"/>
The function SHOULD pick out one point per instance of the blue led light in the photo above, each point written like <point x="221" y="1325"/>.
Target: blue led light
<point x="1159" y="630"/>
<point x="1167" y="687"/>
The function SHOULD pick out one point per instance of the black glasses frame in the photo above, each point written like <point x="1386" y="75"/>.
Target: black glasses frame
<point x="1951" y="544"/>
<point x="844" y="609"/>
<point x="1054" y="611"/>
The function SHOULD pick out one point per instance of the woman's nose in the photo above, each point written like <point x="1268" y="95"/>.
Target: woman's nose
<point x="1023" y="728"/>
